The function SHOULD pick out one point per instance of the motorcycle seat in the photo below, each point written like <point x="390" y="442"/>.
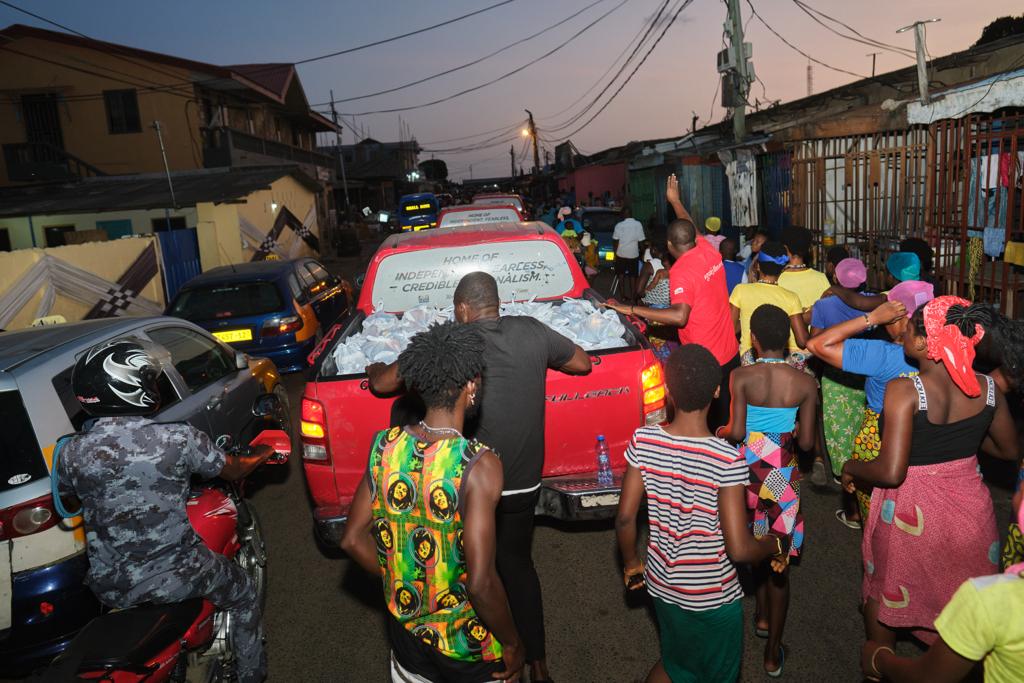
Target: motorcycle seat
<point x="129" y="639"/>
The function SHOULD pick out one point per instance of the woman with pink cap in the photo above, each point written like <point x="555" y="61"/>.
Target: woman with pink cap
<point x="932" y="524"/>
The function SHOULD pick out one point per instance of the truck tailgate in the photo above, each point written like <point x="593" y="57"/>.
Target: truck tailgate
<point x="608" y="402"/>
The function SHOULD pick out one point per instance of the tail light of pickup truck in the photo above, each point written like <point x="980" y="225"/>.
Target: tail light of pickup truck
<point x="313" y="427"/>
<point x="652" y="382"/>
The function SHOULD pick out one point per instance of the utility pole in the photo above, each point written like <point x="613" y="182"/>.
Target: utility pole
<point x="167" y="171"/>
<point x="810" y="79"/>
<point x="536" y="150"/>
<point x="873" y="56"/>
<point x="341" y="157"/>
<point x="512" y="153"/>
<point x="742" y="70"/>
<point x="922" y="55"/>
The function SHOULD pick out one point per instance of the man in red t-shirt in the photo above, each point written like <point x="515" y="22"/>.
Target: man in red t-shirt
<point x="699" y="300"/>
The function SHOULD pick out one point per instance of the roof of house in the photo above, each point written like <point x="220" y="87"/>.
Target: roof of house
<point x="145" y="191"/>
<point x="272" y="81"/>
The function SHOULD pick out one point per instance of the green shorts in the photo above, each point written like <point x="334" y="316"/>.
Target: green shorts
<point x="701" y="647"/>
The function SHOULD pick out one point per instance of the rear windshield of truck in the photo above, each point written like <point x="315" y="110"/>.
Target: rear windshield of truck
<point x="524" y="269"/>
<point x="21" y="461"/>
<point x="236" y="300"/>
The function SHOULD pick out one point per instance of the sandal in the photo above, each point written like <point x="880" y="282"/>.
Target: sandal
<point x="758" y="631"/>
<point x="782" y="662"/>
<point x="843" y="519"/>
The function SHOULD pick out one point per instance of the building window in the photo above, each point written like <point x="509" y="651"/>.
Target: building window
<point x="5" y="240"/>
<point x="277" y="128"/>
<point x="55" y="234"/>
<point x="162" y="224"/>
<point x="122" y="111"/>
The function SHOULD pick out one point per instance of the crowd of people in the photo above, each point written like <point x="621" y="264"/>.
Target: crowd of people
<point x="768" y="362"/>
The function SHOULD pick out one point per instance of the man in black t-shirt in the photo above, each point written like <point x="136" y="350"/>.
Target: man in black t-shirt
<point x="518" y="354"/>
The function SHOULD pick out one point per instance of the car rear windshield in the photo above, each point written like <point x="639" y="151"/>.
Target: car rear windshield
<point x="600" y="221"/>
<point x="524" y="269"/>
<point x="464" y="218"/>
<point x="236" y="300"/>
<point x="20" y="458"/>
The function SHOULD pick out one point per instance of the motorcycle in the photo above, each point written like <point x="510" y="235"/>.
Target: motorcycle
<point x="157" y="643"/>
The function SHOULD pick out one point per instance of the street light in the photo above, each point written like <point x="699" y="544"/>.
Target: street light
<point x="526" y="133"/>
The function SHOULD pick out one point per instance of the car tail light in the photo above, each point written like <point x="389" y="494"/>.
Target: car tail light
<point x="313" y="426"/>
<point x="27" y="518"/>
<point x="652" y="383"/>
<point x="278" y="326"/>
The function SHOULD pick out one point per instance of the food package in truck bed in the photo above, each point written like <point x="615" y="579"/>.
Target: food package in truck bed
<point x="385" y="335"/>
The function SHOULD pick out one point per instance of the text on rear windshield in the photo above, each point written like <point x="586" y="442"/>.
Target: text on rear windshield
<point x="523" y="269"/>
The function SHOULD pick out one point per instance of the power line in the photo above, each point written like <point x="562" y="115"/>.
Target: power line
<point x="596" y="83"/>
<point x="668" y="25"/>
<point x="515" y="125"/>
<point x="503" y="76"/>
<point x="794" y="47"/>
<point x="646" y="33"/>
<point x="473" y="62"/>
<point x="811" y="12"/>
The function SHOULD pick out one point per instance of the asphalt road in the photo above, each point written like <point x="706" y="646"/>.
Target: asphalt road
<point x="325" y="619"/>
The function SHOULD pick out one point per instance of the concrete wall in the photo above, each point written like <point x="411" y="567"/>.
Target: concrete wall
<point x="108" y="260"/>
<point x="591" y="182"/>
<point x="21" y="237"/>
<point x="259" y="210"/>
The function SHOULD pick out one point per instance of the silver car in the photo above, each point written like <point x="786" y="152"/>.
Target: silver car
<point x="205" y="383"/>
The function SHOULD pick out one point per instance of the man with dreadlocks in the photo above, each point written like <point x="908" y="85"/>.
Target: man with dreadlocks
<point x="424" y="518"/>
<point x="518" y="352"/>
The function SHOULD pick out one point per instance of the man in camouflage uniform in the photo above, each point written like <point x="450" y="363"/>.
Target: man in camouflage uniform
<point x="132" y="476"/>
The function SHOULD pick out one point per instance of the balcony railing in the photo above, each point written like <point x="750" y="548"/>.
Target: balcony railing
<point x="40" y="161"/>
<point x="223" y="144"/>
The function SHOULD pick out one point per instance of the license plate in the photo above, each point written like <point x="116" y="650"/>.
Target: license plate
<point x="233" y="335"/>
<point x="597" y="500"/>
<point x="609" y="256"/>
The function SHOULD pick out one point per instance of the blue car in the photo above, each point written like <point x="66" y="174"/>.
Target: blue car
<point x="272" y="309"/>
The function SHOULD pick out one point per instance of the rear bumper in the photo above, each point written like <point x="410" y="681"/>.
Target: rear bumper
<point x="37" y="636"/>
<point x="579" y="497"/>
<point x="290" y="358"/>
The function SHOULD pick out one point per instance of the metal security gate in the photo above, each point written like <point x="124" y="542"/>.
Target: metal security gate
<point x="866" y="192"/>
<point x="774" y="174"/>
<point x="976" y="223"/>
<point x="180" y="252"/>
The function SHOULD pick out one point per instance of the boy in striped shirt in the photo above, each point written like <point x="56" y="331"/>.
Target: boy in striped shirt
<point x="694" y="484"/>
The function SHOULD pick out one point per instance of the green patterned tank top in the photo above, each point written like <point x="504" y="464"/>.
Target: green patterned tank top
<point x="415" y="488"/>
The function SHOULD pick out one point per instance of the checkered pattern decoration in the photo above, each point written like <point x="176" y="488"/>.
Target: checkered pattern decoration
<point x="285" y="218"/>
<point x="120" y="297"/>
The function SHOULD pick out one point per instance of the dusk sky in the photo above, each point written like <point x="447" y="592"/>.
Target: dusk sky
<point x="678" y="78"/>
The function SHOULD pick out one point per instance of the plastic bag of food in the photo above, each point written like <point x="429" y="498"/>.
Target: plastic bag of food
<point x="422" y="317"/>
<point x="383" y="349"/>
<point x="349" y="358"/>
<point x="576" y="309"/>
<point x="378" y="324"/>
<point x="600" y="330"/>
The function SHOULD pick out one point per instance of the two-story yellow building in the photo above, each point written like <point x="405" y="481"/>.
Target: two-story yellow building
<point x="72" y="107"/>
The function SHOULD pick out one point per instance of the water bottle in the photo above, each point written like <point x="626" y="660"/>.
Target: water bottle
<point x="604" y="463"/>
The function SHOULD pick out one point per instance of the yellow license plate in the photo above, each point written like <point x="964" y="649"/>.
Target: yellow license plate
<point x="234" y="335"/>
<point x="609" y="256"/>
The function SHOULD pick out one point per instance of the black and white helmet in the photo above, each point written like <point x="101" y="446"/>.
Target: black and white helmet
<point x="117" y="378"/>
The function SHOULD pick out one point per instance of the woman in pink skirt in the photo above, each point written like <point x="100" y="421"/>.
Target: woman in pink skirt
<point x="931" y="525"/>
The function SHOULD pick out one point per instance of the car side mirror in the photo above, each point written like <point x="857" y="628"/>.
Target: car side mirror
<point x="241" y="361"/>
<point x="267" y="405"/>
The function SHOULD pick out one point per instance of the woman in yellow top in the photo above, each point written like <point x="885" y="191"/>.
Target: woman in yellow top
<point x="746" y="298"/>
<point x="799" y="277"/>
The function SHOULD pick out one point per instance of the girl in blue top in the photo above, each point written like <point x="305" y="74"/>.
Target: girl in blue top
<point x="879" y="361"/>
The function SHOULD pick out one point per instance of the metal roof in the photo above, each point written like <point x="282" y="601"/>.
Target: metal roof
<point x="144" y="191"/>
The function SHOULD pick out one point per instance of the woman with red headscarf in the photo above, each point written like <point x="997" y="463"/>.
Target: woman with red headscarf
<point x="931" y="524"/>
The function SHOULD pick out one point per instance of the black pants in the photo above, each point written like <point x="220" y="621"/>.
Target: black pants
<point x="515" y="566"/>
<point x="718" y="416"/>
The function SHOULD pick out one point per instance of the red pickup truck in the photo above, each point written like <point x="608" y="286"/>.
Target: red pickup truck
<point x="340" y="414"/>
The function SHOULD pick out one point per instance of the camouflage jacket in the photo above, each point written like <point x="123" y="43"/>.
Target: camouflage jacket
<point x="132" y="476"/>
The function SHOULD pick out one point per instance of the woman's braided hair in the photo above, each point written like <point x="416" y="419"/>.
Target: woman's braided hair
<point x="439" y="362"/>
